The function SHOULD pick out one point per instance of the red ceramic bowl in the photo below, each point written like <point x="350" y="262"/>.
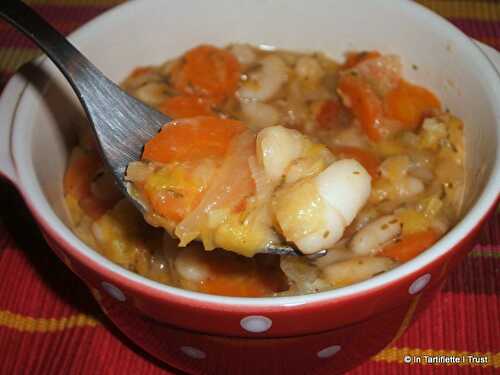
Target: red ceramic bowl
<point x="328" y="332"/>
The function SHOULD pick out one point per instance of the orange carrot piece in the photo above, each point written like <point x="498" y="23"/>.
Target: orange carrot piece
<point x="409" y="104"/>
<point x="186" y="106"/>
<point x="328" y="114"/>
<point x="174" y="205"/>
<point x="355" y="58"/>
<point x="236" y="287"/>
<point x="410" y="246"/>
<point x="207" y="71"/>
<point x="364" y="103"/>
<point x="233" y="276"/>
<point x="367" y="159"/>
<point x="192" y="139"/>
<point x="79" y="175"/>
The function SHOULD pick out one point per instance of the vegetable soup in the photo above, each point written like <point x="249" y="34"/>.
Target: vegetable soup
<point x="269" y="147"/>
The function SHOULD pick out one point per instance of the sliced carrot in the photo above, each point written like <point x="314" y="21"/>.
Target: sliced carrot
<point x="174" y="204"/>
<point x="249" y="286"/>
<point x="207" y="71"/>
<point x="186" y="106"/>
<point x="243" y="277"/>
<point x="364" y="103"/>
<point x="366" y="158"/>
<point x="81" y="170"/>
<point x="410" y="246"/>
<point x="192" y="139"/>
<point x="409" y="104"/>
<point x="329" y="114"/>
<point x="355" y="58"/>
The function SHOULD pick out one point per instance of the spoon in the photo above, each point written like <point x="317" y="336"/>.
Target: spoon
<point x="121" y="123"/>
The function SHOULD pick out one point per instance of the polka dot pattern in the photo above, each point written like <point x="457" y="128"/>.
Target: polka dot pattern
<point x="329" y="351"/>
<point x="113" y="291"/>
<point x="256" y="323"/>
<point x="193" y="352"/>
<point x="419" y="284"/>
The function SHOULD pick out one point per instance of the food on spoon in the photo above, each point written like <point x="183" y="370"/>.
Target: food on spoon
<point x="273" y="146"/>
<point x="239" y="190"/>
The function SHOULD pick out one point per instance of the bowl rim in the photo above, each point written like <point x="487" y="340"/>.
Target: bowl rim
<point x="110" y="271"/>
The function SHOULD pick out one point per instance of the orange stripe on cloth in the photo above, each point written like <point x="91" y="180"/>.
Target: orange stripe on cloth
<point x="438" y="357"/>
<point x="44" y="325"/>
<point x="472" y="9"/>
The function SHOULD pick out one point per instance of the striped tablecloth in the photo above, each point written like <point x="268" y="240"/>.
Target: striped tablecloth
<point x="49" y="323"/>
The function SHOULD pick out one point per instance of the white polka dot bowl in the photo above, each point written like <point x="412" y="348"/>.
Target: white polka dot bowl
<point x="325" y="333"/>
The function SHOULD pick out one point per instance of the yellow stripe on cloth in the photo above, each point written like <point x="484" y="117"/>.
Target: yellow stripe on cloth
<point x="472" y="9"/>
<point x="484" y="254"/>
<point x="44" y="325"/>
<point x="13" y="57"/>
<point x="412" y="356"/>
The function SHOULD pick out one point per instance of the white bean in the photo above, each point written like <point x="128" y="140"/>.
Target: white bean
<point x="307" y="166"/>
<point x="374" y="235"/>
<point x="346" y="186"/>
<point x="329" y="233"/>
<point x="259" y="115"/>
<point x="309" y="69"/>
<point x="243" y="53"/>
<point x="409" y="186"/>
<point x="333" y="256"/>
<point x="356" y="269"/>
<point x="433" y="131"/>
<point x="265" y="82"/>
<point x="422" y="173"/>
<point x="395" y="167"/>
<point x="277" y="147"/>
<point x="314" y="212"/>
<point x="396" y="170"/>
<point x="105" y="188"/>
<point x="152" y="93"/>
<point x="190" y="266"/>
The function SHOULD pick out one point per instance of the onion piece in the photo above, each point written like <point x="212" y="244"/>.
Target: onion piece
<point x="232" y="183"/>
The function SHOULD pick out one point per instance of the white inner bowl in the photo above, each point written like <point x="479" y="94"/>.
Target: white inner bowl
<point x="149" y="32"/>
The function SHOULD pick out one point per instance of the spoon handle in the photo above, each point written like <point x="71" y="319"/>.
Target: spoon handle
<point x="114" y="114"/>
